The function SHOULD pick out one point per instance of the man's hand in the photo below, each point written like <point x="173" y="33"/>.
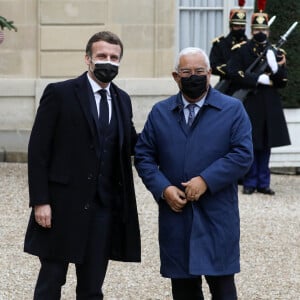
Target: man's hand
<point x="42" y="215"/>
<point x="282" y="60"/>
<point x="194" y="188"/>
<point x="175" y="198"/>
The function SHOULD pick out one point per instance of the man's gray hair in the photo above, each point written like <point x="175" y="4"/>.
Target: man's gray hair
<point x="191" y="50"/>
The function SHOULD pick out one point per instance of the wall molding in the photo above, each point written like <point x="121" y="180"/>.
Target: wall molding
<point x="16" y="123"/>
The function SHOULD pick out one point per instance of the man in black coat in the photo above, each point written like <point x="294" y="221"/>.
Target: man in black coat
<point x="263" y="103"/>
<point x="221" y="50"/>
<point x="80" y="176"/>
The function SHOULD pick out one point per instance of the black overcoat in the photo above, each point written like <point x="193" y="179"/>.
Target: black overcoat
<point x="220" y="54"/>
<point x="62" y="170"/>
<point x="263" y="104"/>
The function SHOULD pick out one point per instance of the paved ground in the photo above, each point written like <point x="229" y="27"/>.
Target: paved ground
<point x="270" y="246"/>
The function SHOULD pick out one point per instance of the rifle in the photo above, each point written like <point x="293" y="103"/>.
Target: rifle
<point x="260" y="64"/>
<point x="224" y="84"/>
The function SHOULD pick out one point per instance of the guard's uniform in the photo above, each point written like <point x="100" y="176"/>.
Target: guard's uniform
<point x="263" y="105"/>
<point x="221" y="50"/>
<point x="220" y="54"/>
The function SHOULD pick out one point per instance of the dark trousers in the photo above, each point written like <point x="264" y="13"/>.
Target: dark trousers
<point x="220" y="287"/>
<point x="90" y="274"/>
<point x="259" y="174"/>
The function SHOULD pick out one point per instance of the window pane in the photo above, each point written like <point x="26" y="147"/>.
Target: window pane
<point x="199" y="22"/>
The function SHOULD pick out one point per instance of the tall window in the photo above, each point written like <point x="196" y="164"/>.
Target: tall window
<point x="200" y="21"/>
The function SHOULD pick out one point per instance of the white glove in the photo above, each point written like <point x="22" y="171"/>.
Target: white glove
<point x="272" y="62"/>
<point x="264" y="79"/>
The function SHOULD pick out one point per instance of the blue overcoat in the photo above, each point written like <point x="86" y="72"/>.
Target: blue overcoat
<point x="203" y="239"/>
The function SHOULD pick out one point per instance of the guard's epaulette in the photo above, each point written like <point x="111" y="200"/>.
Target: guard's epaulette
<point x="217" y="39"/>
<point x="239" y="45"/>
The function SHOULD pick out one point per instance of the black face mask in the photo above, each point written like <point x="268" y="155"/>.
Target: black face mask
<point x="194" y="86"/>
<point x="106" y="71"/>
<point x="260" y="37"/>
<point x="238" y="34"/>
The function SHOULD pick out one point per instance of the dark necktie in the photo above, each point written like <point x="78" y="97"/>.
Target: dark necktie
<point x="103" y="111"/>
<point x="191" y="117"/>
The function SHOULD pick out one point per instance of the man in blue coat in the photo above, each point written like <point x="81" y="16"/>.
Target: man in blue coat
<point x="194" y="147"/>
<point x="80" y="176"/>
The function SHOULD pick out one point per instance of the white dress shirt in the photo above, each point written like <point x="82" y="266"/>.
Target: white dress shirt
<point x="96" y="88"/>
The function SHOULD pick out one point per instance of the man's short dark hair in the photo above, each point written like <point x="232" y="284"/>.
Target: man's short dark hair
<point x="105" y="36"/>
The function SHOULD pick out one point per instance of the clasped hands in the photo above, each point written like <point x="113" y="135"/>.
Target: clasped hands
<point x="177" y="198"/>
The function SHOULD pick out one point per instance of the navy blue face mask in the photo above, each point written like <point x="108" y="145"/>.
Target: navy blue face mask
<point x="194" y="86"/>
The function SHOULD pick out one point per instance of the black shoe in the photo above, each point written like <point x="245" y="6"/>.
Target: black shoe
<point x="266" y="191"/>
<point x="248" y="190"/>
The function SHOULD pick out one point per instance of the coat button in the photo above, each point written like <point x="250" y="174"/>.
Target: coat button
<point x="90" y="177"/>
<point x="87" y="206"/>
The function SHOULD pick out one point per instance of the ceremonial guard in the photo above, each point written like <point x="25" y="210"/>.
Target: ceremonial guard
<point x="222" y="47"/>
<point x="263" y="102"/>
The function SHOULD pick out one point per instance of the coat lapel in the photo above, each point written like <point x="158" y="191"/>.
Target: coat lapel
<point x="117" y="107"/>
<point x="84" y="94"/>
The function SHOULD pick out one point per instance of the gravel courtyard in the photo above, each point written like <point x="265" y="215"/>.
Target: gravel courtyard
<point x="270" y="246"/>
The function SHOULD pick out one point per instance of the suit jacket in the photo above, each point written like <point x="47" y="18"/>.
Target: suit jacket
<point x="63" y="164"/>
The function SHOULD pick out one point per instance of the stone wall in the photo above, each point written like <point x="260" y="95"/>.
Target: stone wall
<point x="50" y="45"/>
<point x="52" y="35"/>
